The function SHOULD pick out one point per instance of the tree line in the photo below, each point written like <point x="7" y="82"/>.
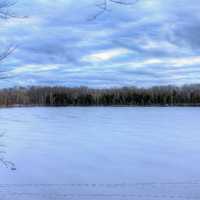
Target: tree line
<point x="187" y="95"/>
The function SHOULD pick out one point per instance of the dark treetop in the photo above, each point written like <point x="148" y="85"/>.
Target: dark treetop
<point x="188" y="95"/>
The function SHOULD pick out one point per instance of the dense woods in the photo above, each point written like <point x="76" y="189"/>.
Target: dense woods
<point x="188" y="95"/>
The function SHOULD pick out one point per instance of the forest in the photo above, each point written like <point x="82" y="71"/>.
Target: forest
<point x="187" y="95"/>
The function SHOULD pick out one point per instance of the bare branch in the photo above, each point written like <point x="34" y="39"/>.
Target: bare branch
<point x="5" y="6"/>
<point x="128" y="3"/>
<point x="8" y="164"/>
<point x="7" y="52"/>
<point x="3" y="72"/>
<point x="5" y="10"/>
<point x="5" y="13"/>
<point x="103" y="7"/>
<point x="4" y="162"/>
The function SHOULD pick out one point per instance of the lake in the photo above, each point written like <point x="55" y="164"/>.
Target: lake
<point x="100" y="153"/>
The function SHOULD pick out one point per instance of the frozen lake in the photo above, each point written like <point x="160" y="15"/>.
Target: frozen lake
<point x="101" y="153"/>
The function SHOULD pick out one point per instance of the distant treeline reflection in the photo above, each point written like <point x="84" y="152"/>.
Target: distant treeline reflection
<point x="187" y="95"/>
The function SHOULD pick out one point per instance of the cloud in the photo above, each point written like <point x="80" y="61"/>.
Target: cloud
<point x="33" y="69"/>
<point x="151" y="42"/>
<point x="105" y="55"/>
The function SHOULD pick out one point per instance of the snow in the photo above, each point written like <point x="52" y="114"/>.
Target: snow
<point x="101" y="153"/>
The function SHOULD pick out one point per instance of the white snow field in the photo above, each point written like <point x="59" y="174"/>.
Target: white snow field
<point x="101" y="153"/>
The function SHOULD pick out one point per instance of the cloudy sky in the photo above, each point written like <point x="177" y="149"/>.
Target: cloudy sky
<point x="60" y="43"/>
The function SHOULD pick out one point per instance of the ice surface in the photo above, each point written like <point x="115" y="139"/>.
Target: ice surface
<point x="101" y="153"/>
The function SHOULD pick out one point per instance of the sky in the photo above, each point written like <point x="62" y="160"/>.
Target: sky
<point x="60" y="42"/>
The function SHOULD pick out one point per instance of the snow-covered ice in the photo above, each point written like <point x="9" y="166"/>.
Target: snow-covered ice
<point x="101" y="153"/>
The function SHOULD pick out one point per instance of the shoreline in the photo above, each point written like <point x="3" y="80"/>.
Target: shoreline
<point x="168" y="96"/>
<point x="98" y="106"/>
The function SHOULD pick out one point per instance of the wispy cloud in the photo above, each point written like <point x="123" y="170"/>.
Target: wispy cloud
<point x="151" y="42"/>
<point x="105" y="55"/>
<point x="33" y="69"/>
